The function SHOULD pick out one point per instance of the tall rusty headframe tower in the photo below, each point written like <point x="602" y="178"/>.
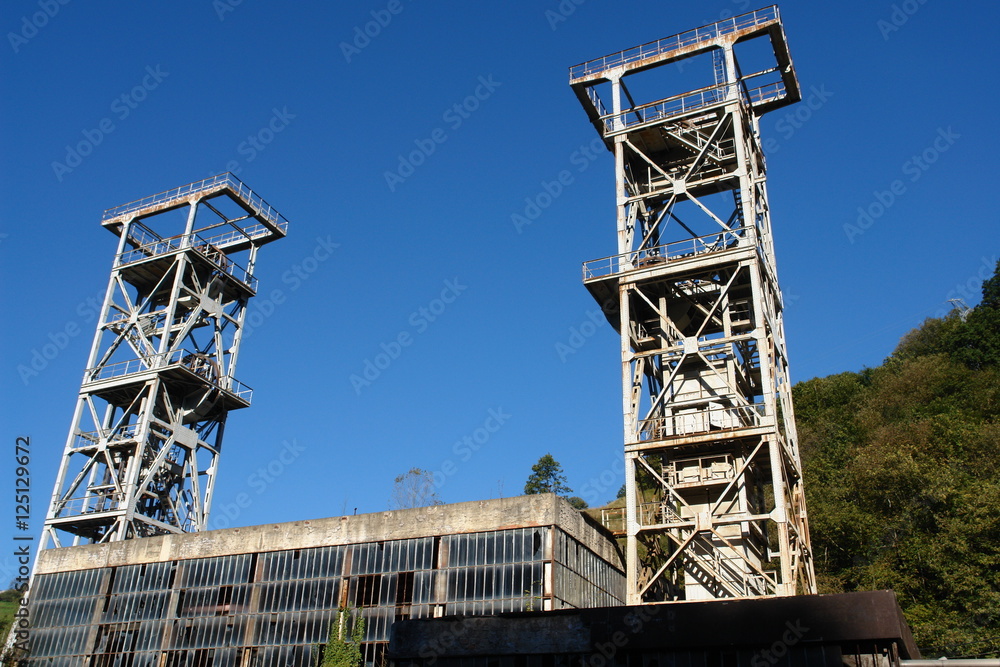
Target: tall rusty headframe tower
<point x="143" y="449"/>
<point x="715" y="506"/>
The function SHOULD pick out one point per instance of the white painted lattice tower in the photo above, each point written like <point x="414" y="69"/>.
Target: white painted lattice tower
<point x="715" y="505"/>
<point x="143" y="448"/>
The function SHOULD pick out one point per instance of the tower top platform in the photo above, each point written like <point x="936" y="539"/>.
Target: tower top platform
<point x="261" y="224"/>
<point x="765" y="90"/>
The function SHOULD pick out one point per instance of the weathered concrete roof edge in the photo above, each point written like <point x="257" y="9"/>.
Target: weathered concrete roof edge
<point x="468" y="517"/>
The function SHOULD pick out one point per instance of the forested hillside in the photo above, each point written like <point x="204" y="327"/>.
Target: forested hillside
<point x="902" y="473"/>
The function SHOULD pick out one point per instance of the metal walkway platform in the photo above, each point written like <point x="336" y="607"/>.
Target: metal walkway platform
<point x="269" y="225"/>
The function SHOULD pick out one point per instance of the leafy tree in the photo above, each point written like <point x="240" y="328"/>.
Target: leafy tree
<point x="976" y="341"/>
<point x="928" y="338"/>
<point x="415" y="488"/>
<point x="991" y="290"/>
<point x="577" y="502"/>
<point x="547" y="477"/>
<point x="972" y="338"/>
<point x="10" y="602"/>
<point x="13" y="594"/>
<point x="902" y="476"/>
<point x="343" y="648"/>
<point x="621" y="492"/>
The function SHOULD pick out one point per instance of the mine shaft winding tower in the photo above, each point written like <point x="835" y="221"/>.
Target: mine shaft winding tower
<point x="142" y="452"/>
<point x="715" y="506"/>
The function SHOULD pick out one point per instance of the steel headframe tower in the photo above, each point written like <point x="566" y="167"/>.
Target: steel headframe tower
<point x="142" y="452"/>
<point x="715" y="506"/>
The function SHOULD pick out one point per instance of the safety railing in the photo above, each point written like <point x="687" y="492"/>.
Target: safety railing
<point x="240" y="390"/>
<point x="657" y="513"/>
<point x="613" y="518"/>
<point x="96" y="501"/>
<point x="675" y="42"/>
<point x="149" y="249"/>
<point x="166" y="196"/>
<point x="769" y="93"/>
<point x="640" y="259"/>
<point x="143" y="238"/>
<point x="237" y="236"/>
<point x="257" y="202"/>
<point x="140" y="235"/>
<point x="118" y="369"/>
<point x="701" y="421"/>
<point x="755" y="95"/>
<point x="653" y="513"/>
<point x="691" y="101"/>
<point x="201" y="365"/>
<point x="206" y="247"/>
<point x="596" y="101"/>
<point x="91" y="438"/>
<point x="671" y="106"/>
<point x="212" y="253"/>
<point x="252" y="199"/>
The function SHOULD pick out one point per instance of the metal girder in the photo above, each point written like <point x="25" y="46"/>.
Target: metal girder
<point x="714" y="502"/>
<point x="142" y="452"/>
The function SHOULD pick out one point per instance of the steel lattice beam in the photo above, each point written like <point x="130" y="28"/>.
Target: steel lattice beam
<point x="714" y="502"/>
<point x="142" y="453"/>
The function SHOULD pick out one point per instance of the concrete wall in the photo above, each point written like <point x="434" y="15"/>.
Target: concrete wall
<point x="471" y="517"/>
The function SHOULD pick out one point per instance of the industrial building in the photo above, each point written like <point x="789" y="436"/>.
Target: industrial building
<point x="267" y="595"/>
<point x="716" y="552"/>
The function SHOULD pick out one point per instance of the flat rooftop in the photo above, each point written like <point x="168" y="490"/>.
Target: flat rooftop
<point x="458" y="518"/>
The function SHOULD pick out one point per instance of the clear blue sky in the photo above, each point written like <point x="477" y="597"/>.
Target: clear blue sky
<point x="200" y="79"/>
